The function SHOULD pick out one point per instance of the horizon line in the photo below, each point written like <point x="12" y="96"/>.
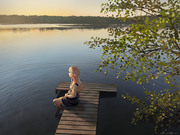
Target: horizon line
<point x="55" y="15"/>
<point x="66" y="16"/>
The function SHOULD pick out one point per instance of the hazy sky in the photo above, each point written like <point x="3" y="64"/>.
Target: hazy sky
<point x="52" y="7"/>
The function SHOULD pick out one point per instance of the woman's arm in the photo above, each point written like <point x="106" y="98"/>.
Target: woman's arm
<point x="68" y="92"/>
<point x="65" y="95"/>
<point x="73" y="92"/>
<point x="72" y="95"/>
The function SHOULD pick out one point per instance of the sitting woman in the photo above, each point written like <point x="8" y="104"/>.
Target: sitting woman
<point x="71" y="97"/>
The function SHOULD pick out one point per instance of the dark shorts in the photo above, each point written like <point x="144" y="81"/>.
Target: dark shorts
<point x="70" y="101"/>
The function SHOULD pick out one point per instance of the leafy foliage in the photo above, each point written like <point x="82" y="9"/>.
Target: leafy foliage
<point x="147" y="49"/>
<point x="162" y="109"/>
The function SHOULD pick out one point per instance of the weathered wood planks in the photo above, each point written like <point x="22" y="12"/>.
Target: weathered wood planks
<point x="82" y="118"/>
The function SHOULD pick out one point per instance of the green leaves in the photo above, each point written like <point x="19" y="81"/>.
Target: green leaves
<point x="145" y="50"/>
<point x="145" y="42"/>
<point x="161" y="108"/>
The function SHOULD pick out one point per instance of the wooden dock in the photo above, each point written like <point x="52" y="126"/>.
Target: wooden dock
<point x="82" y="118"/>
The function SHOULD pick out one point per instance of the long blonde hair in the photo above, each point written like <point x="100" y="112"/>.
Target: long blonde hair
<point x="76" y="72"/>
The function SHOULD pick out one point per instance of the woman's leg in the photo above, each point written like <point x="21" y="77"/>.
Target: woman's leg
<point x="58" y="102"/>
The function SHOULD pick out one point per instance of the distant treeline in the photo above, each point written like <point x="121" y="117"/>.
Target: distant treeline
<point x="22" y="19"/>
<point x="93" y="20"/>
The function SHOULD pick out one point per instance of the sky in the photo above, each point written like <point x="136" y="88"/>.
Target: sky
<point x="52" y="7"/>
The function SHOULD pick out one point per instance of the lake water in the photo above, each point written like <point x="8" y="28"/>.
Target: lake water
<point x="33" y="62"/>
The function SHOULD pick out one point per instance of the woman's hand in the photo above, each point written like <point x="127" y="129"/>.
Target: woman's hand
<point x="66" y="95"/>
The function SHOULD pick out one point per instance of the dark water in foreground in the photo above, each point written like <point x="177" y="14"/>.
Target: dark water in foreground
<point x="32" y="65"/>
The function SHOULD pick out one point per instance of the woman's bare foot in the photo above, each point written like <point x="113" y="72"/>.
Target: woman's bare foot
<point x="57" y="115"/>
<point x="57" y="102"/>
<point x="59" y="112"/>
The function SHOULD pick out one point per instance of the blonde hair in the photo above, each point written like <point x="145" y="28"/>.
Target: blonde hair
<point x="76" y="72"/>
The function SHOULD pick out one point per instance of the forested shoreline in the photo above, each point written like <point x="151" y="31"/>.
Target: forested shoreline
<point x="33" y="19"/>
<point x="80" y="21"/>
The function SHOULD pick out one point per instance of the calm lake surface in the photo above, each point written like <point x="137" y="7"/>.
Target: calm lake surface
<point x="33" y="62"/>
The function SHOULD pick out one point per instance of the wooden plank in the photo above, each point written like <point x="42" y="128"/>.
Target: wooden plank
<point x="75" y="115"/>
<point x="100" y="89"/>
<point x="89" y="94"/>
<point x="89" y="84"/>
<point x="66" y="89"/>
<point x="83" y="91"/>
<point x="89" y="97"/>
<point x="86" y="132"/>
<point x="79" y="119"/>
<point x="77" y="111"/>
<point x="93" y="88"/>
<point x="97" y="85"/>
<point x="89" y="91"/>
<point x="87" y="105"/>
<point x="85" y="123"/>
<point x="93" y="128"/>
<point x="89" y="102"/>
<point x="82" y="118"/>
<point x="88" y="88"/>
<point x="96" y="101"/>
<point x="85" y="108"/>
<point x="81" y="112"/>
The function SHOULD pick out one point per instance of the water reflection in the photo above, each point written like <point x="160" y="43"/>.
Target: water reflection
<point x="32" y="65"/>
<point x="48" y="27"/>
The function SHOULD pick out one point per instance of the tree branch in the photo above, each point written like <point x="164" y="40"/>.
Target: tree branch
<point x="176" y="33"/>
